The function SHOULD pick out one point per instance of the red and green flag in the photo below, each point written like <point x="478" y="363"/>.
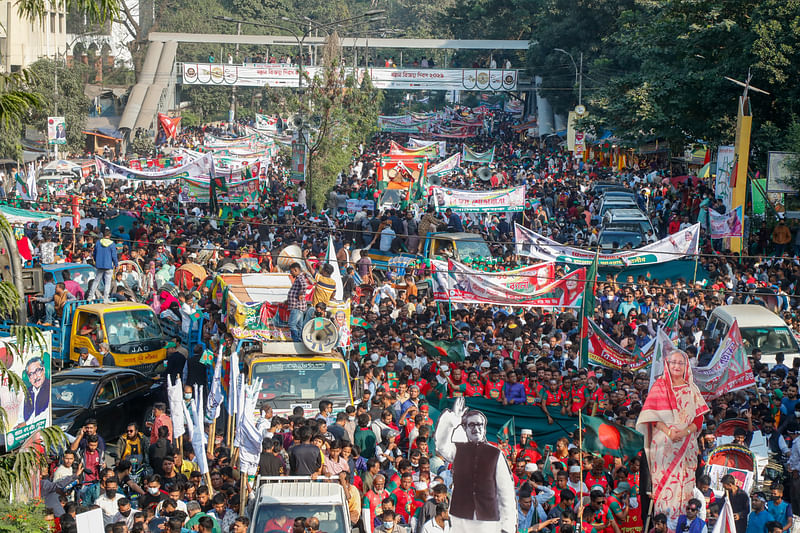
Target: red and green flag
<point x="608" y="438"/>
<point x="451" y="351"/>
<point x="507" y="431"/>
<point x="358" y="322"/>
<point x="587" y="309"/>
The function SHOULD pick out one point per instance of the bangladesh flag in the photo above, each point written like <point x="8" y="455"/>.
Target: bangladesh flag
<point x="506" y="431"/>
<point x="587" y="310"/>
<point x="358" y="322"/>
<point x="436" y="395"/>
<point x="451" y="351"/>
<point x="608" y="438"/>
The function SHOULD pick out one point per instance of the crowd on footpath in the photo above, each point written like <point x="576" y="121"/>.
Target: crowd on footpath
<point x="382" y="450"/>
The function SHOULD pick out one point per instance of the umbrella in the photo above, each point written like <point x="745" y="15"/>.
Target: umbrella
<point x="123" y="219"/>
<point x="707" y="170"/>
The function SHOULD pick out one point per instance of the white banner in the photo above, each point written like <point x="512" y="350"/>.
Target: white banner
<point x="266" y="122"/>
<point x="445" y="167"/>
<point x="455" y="282"/>
<point x="501" y="200"/>
<point x="202" y="166"/>
<point x="726" y="155"/>
<point x="408" y="79"/>
<point x="417" y="143"/>
<point x="727" y="225"/>
<point x="778" y="171"/>
<point x="531" y="244"/>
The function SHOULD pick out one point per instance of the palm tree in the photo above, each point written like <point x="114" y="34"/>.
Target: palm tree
<point x="19" y="469"/>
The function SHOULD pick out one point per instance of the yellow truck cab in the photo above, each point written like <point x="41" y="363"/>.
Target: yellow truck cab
<point x="293" y="375"/>
<point x="132" y="331"/>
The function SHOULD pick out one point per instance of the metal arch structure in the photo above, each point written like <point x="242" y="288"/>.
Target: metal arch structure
<point x="154" y="91"/>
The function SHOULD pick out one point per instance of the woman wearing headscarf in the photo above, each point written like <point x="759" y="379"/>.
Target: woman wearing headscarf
<point x="670" y="420"/>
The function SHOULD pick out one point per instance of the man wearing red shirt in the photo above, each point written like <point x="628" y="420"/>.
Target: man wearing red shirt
<point x="596" y="476"/>
<point x="403" y="497"/>
<point x="473" y="387"/>
<point x="494" y="385"/>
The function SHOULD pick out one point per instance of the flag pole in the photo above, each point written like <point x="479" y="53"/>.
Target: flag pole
<point x="212" y="432"/>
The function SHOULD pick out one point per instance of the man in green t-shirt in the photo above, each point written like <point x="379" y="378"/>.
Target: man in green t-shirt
<point x="195" y="514"/>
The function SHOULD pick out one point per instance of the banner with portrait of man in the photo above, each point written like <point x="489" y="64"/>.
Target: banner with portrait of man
<point x="27" y="411"/>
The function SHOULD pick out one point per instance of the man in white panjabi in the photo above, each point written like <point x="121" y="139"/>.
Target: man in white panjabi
<point x="483" y="489"/>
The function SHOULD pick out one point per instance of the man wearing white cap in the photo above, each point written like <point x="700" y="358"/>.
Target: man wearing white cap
<point x="576" y="483"/>
<point x="483" y="489"/>
<point x="523" y="449"/>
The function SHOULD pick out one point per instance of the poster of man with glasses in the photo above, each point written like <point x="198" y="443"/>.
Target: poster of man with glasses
<point x="27" y="413"/>
<point x="483" y="488"/>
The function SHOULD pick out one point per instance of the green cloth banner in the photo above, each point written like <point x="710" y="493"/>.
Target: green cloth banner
<point x="525" y="417"/>
<point x="757" y="189"/>
<point x="468" y="156"/>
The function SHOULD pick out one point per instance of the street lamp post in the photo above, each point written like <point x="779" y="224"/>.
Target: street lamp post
<point x="578" y="72"/>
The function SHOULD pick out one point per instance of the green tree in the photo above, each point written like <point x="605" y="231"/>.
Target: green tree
<point x="344" y="113"/>
<point x="68" y="101"/>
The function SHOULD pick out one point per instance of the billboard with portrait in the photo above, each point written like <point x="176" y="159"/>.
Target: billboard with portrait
<point x="28" y="410"/>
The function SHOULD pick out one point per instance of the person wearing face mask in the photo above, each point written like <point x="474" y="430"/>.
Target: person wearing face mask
<point x="390" y="525"/>
<point x="154" y="494"/>
<point x="108" y="500"/>
<point x="124" y="513"/>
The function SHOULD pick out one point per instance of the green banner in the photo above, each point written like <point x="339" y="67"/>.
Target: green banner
<point x="525" y="417"/>
<point x="757" y="190"/>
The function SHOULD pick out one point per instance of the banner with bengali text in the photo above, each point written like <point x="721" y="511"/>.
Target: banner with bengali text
<point x="454" y="282"/>
<point x="675" y="246"/>
<point x="500" y="200"/>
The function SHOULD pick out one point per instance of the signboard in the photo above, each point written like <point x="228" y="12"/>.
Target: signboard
<point x="423" y="79"/>
<point x="778" y="170"/>
<point x="56" y="130"/>
<point x="299" y="159"/>
<point x="27" y="413"/>
<point x="722" y="187"/>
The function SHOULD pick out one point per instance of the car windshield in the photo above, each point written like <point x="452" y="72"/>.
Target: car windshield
<point x="302" y="380"/>
<point x="769" y="340"/>
<point x="608" y="238"/>
<point x="73" y="391"/>
<point x="279" y="518"/>
<point x="133" y="325"/>
<point x="472" y="249"/>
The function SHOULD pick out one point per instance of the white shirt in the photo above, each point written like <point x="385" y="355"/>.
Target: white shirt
<point x="108" y="506"/>
<point x="794" y="456"/>
<point x="432" y="527"/>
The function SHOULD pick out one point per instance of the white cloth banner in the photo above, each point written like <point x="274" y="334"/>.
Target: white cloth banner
<point x="215" y="395"/>
<point x="500" y="200"/>
<point x="675" y="246"/>
<point x="727" y="225"/>
<point x="203" y="166"/>
<point x="266" y="122"/>
<point x="445" y="167"/>
<point x="418" y="143"/>
<point x="176" y="403"/>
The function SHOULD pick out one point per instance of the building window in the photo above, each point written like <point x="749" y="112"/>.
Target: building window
<point x="53" y="22"/>
<point x="61" y="23"/>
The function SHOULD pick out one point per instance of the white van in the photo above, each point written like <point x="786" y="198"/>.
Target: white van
<point x="760" y="328"/>
<point x="279" y="500"/>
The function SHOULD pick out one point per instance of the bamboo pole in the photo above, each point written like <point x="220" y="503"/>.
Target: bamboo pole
<point x="208" y="483"/>
<point x="212" y="432"/>
<point x="242" y="492"/>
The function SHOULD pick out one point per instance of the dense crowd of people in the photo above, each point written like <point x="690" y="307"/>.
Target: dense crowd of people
<point x="382" y="450"/>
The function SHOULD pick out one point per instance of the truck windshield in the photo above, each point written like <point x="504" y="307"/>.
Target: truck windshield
<point x="770" y="340"/>
<point x="472" y="249"/>
<point x="302" y="380"/>
<point x="133" y="325"/>
<point x="279" y="518"/>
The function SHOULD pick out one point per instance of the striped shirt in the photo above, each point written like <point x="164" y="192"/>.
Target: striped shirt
<point x="323" y="289"/>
